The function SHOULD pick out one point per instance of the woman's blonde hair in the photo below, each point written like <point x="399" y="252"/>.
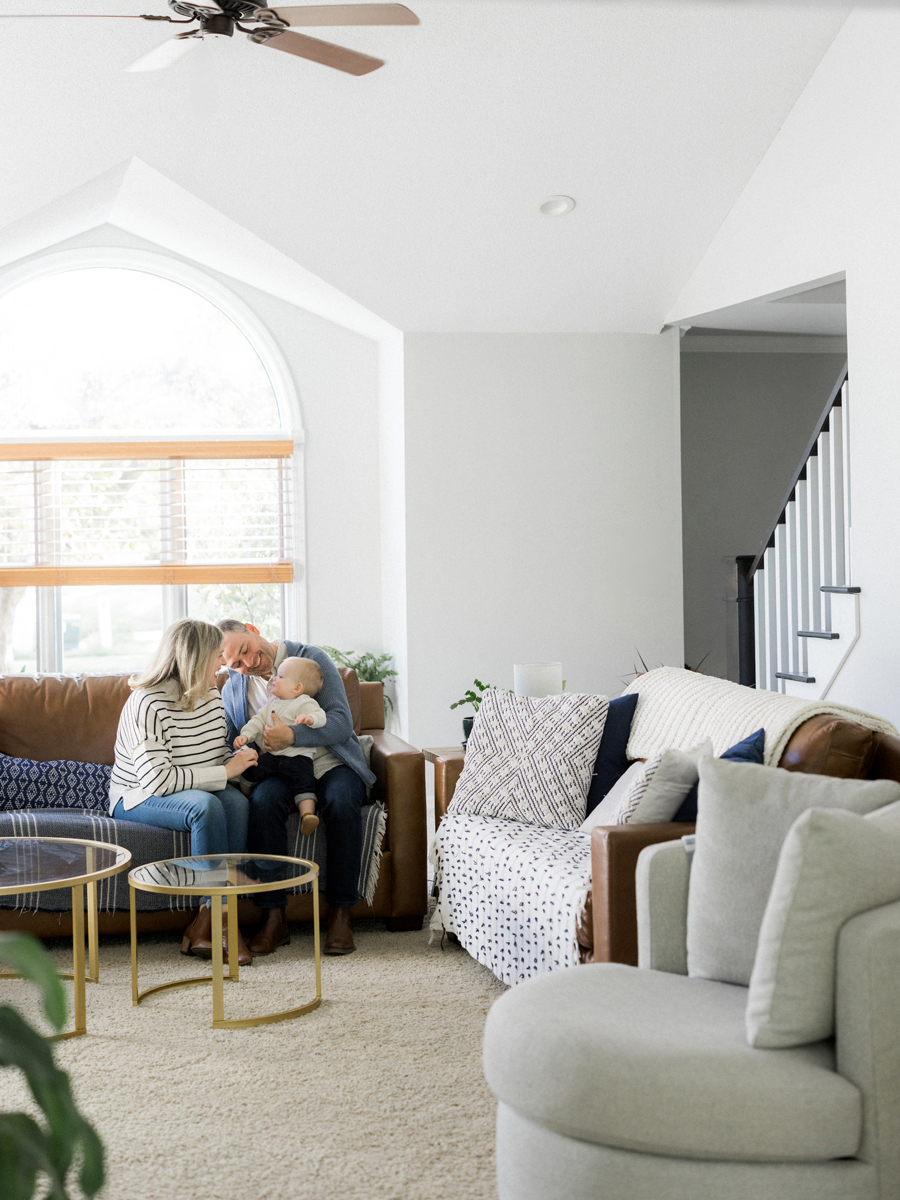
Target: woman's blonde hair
<point x="183" y="658"/>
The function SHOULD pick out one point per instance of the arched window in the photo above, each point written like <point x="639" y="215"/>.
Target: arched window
<point x="147" y="468"/>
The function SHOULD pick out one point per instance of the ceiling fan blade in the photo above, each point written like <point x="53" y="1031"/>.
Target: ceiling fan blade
<point x="83" y="16"/>
<point x="326" y="53"/>
<point x="164" y="55"/>
<point x="346" y="14"/>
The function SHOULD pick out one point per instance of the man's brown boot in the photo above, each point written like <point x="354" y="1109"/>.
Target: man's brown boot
<point x="339" y="936"/>
<point x="198" y="938"/>
<point x="271" y="934"/>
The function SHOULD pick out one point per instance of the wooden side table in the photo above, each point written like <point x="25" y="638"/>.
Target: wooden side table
<point x="448" y="764"/>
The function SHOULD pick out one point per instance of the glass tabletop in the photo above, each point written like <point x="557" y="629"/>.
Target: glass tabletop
<point x="240" y="873"/>
<point x="38" y="864"/>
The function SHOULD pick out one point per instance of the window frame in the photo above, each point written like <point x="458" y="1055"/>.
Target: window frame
<point x="178" y="271"/>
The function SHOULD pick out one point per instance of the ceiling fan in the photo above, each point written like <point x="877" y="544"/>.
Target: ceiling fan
<point x="264" y="26"/>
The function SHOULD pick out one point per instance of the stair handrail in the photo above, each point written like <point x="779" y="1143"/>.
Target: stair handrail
<point x="834" y="401"/>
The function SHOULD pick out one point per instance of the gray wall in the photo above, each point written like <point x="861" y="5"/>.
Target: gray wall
<point x="745" y="422"/>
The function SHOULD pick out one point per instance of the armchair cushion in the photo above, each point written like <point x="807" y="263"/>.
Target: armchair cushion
<point x="530" y="759"/>
<point x="752" y="749"/>
<point x="658" y="1063"/>
<point x="744" y="815"/>
<point x="833" y="865"/>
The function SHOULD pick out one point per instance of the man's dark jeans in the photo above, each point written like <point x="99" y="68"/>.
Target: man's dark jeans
<point x="340" y="796"/>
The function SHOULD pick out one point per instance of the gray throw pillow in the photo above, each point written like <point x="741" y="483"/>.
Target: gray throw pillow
<point x="659" y="794"/>
<point x="833" y="865"/>
<point x="744" y="813"/>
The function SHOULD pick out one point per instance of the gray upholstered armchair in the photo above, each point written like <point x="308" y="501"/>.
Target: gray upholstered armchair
<point x="624" y="1083"/>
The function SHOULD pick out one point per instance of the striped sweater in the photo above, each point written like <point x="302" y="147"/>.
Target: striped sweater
<point x="161" y="749"/>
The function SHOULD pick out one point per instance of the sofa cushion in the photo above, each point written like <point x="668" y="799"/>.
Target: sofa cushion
<point x="612" y="761"/>
<point x="752" y="749"/>
<point x="62" y="784"/>
<point x="659" y="1063"/>
<point x="530" y="759"/>
<point x="833" y="865"/>
<point x="743" y="817"/>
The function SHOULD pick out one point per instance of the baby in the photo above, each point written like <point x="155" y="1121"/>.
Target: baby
<point x="293" y="687"/>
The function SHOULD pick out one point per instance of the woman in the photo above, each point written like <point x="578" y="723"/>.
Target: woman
<point x="172" y="762"/>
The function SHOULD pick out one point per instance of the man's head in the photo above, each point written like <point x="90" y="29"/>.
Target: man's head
<point x="296" y="677"/>
<point x="246" y="650"/>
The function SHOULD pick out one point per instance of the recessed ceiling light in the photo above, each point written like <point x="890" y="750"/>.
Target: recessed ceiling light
<point x="557" y="206"/>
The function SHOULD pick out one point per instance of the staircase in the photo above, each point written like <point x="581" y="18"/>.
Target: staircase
<point x="798" y="609"/>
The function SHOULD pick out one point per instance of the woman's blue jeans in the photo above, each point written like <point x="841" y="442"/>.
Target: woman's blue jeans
<point x="216" y="821"/>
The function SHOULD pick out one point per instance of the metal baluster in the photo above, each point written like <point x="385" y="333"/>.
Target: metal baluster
<point x="760" y="613"/>
<point x="790" y="580"/>
<point x="845" y="405"/>
<point x="782" y="612"/>
<point x="826" y="538"/>
<point x="837" y="495"/>
<point x="813" y="489"/>
<point x="772" y="616"/>
<point x="802" y="494"/>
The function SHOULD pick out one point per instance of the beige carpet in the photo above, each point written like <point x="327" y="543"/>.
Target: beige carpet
<point x="377" y="1095"/>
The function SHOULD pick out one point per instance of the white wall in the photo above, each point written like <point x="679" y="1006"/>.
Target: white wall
<point x="825" y="198"/>
<point x="746" y="419"/>
<point x="543" y="511"/>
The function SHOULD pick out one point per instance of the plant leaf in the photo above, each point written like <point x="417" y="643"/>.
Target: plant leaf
<point x="28" y="958"/>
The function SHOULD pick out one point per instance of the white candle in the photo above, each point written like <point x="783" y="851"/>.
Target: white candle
<point x="537" y="679"/>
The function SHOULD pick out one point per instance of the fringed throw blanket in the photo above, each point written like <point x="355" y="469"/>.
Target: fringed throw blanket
<point x="679" y="709"/>
<point x="512" y="893"/>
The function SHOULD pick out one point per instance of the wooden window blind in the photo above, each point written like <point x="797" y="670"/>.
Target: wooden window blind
<point x="145" y="512"/>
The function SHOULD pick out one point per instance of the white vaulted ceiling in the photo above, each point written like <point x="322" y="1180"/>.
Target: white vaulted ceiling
<point x="414" y="190"/>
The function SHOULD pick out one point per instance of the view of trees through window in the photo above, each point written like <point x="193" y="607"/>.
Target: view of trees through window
<point x="109" y="352"/>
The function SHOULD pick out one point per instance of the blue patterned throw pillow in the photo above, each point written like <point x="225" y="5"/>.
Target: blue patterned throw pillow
<point x="26" y="784"/>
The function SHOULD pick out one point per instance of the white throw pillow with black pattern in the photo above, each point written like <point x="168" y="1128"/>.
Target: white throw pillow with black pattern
<point x="531" y="759"/>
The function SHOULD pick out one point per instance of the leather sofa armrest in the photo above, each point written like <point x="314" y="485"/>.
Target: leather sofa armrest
<point x="614" y="854"/>
<point x="400" y="771"/>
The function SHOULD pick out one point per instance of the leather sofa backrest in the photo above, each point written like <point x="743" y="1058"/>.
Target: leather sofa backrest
<point x="75" y="717"/>
<point x="827" y="745"/>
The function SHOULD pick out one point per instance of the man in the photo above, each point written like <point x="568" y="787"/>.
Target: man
<point x="340" y="792"/>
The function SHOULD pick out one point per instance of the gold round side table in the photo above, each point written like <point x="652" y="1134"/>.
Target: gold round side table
<point x="44" y="864"/>
<point x="222" y="876"/>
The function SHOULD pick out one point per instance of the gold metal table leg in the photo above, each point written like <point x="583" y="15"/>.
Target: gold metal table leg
<point x="78" y="980"/>
<point x="217" y="967"/>
<point x="93" y="946"/>
<point x="233" y="939"/>
<point x="134" y="987"/>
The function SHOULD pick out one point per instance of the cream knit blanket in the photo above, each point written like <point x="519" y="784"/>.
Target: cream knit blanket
<point x="679" y="709"/>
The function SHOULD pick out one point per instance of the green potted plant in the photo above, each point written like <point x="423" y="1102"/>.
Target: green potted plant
<point x="370" y="668"/>
<point x="29" y="1150"/>
<point x="474" y="698"/>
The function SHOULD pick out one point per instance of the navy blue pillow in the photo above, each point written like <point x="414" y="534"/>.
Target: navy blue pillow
<point x="750" y="750"/>
<point x="611" y="763"/>
<point x="25" y="783"/>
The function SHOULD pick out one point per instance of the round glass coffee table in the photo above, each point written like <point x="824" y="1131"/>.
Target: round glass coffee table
<point x="43" y="864"/>
<point x="222" y="876"/>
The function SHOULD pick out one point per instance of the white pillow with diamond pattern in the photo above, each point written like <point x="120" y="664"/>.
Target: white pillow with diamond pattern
<point x="530" y="759"/>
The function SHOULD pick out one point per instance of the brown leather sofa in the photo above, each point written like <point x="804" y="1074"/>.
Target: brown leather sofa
<point x="823" y="745"/>
<point x="75" y="717"/>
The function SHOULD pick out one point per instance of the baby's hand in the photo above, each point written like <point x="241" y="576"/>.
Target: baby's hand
<point x="304" y="719"/>
<point x="240" y="742"/>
